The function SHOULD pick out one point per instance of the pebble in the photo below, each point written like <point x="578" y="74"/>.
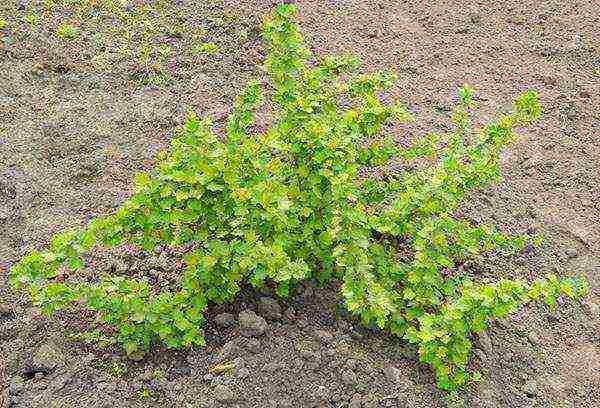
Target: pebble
<point x="351" y="364"/>
<point x="393" y="375"/>
<point x="486" y="344"/>
<point x="47" y="357"/>
<point x="571" y="253"/>
<point x="254" y="346"/>
<point x="290" y="314"/>
<point x="178" y="372"/>
<point x="242" y="373"/>
<point x="251" y="325"/>
<point x="533" y="339"/>
<point x="592" y="308"/>
<point x="228" y="351"/>
<point x="272" y="367"/>
<point x="225" y="320"/>
<point x="324" y="336"/>
<point x="530" y="388"/>
<point x="349" y="377"/>
<point x="224" y="394"/>
<point x="269" y="308"/>
<point x="298" y="364"/>
<point x="356" y="401"/>
<point x="356" y="335"/>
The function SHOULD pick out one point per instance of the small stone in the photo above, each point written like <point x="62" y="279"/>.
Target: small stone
<point x="393" y="375"/>
<point x="310" y="355"/>
<point x="373" y="33"/>
<point x="271" y="367"/>
<point x="16" y="386"/>
<point x="242" y="373"/>
<point x="308" y="292"/>
<point x="229" y="351"/>
<point x="225" y="320"/>
<point x="290" y="314"/>
<point x="136" y="357"/>
<point x="550" y="52"/>
<point x="178" y="372"/>
<point x="533" y="339"/>
<point x="251" y="325"/>
<point x="269" y="308"/>
<point x="592" y="308"/>
<point x="486" y="344"/>
<point x="349" y="377"/>
<point x="530" y="388"/>
<point x="356" y="335"/>
<point x="239" y="362"/>
<point x="224" y="394"/>
<point x="351" y="364"/>
<point x="298" y="364"/>
<point x="254" y="346"/>
<point x="119" y="266"/>
<point x="47" y="358"/>
<point x="480" y="355"/>
<point x="474" y="18"/>
<point x="324" y="336"/>
<point x="60" y="382"/>
<point x="571" y="253"/>
<point x="355" y="401"/>
<point x="343" y="326"/>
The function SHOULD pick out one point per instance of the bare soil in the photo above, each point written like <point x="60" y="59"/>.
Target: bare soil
<point x="77" y="121"/>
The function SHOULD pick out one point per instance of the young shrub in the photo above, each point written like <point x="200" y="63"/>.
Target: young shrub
<point x="286" y="204"/>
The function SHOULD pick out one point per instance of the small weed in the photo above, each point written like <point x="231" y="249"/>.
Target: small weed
<point x="153" y="76"/>
<point x="206" y="48"/>
<point x="113" y="368"/>
<point x="454" y="400"/>
<point x="3" y="23"/>
<point x="31" y="18"/>
<point x="67" y="31"/>
<point x="143" y="393"/>
<point x="157" y="374"/>
<point x="164" y="50"/>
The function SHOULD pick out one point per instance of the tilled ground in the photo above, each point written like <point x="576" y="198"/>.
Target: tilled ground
<point x="79" y="117"/>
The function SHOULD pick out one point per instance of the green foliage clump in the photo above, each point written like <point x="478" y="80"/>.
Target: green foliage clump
<point x="67" y="31"/>
<point x="287" y="204"/>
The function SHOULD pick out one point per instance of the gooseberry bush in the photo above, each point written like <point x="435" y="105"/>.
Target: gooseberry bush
<point x="279" y="206"/>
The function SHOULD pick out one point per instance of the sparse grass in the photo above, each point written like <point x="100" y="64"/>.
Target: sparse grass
<point x="67" y="31"/>
<point x="141" y="33"/>
<point x="158" y="78"/>
<point x="205" y="48"/>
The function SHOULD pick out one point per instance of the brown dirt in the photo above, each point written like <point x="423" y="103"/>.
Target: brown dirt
<point x="74" y="129"/>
